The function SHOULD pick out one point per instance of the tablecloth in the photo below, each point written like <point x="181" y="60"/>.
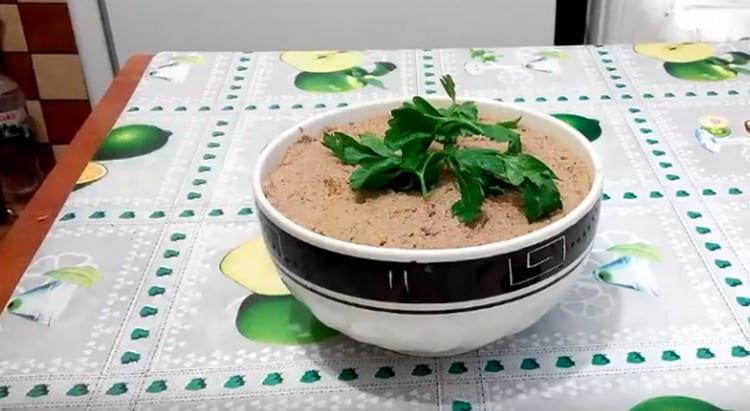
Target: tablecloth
<point x="133" y="300"/>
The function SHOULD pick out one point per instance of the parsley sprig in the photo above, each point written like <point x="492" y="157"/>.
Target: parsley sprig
<point x="406" y="157"/>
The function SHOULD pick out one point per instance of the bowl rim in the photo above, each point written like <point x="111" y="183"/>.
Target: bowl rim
<point x="432" y="255"/>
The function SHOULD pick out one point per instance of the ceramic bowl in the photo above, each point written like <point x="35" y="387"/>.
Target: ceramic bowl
<point x="430" y="302"/>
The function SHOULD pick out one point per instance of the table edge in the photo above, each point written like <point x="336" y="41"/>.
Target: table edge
<point x="26" y="235"/>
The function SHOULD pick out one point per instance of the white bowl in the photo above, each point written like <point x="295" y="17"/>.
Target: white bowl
<point x="438" y="301"/>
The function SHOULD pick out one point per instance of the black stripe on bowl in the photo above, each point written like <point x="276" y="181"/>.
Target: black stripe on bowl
<point x="570" y="270"/>
<point x="434" y="283"/>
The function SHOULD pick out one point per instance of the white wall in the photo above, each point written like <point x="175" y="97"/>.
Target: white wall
<point x="149" y="26"/>
<point x="92" y="46"/>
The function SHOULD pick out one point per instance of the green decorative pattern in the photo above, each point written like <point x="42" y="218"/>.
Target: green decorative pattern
<point x="148" y="311"/>
<point x="384" y="373"/>
<point x="670" y="355"/>
<point x="713" y="246"/>
<point x="139" y="333"/>
<point x="118" y="388"/>
<point x="635" y="358"/>
<point x="458" y="405"/>
<point x="78" y="390"/>
<point x="235" y="381"/>
<point x="310" y="376"/>
<point x="421" y="370"/>
<point x="196" y="384"/>
<point x="564" y="362"/>
<point x="599" y="359"/>
<point x="155" y="290"/>
<point x="273" y="378"/>
<point x="493" y="366"/>
<point x="130" y="357"/>
<point x="39" y="390"/>
<point x="529" y="364"/>
<point x="156" y="386"/>
<point x="348" y="374"/>
<point x="457" y="368"/>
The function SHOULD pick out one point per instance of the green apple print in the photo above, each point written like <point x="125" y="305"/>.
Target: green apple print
<point x="696" y="61"/>
<point x="45" y="303"/>
<point x="484" y="56"/>
<point x="335" y="71"/>
<point x="269" y="314"/>
<point x="710" y="69"/>
<point x="279" y="320"/>
<point x="675" y="403"/>
<point x="131" y="140"/>
<point x="589" y="127"/>
<point x="344" y="80"/>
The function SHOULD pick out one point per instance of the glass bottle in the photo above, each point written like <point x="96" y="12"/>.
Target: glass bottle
<point x="6" y="214"/>
<point x="19" y="162"/>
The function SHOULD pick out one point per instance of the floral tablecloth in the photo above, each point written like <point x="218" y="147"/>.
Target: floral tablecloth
<point x="152" y="290"/>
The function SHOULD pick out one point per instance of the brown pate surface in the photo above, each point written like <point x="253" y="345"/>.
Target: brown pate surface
<point x="311" y="187"/>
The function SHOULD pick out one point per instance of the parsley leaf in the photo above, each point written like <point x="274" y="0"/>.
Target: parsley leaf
<point x="375" y="144"/>
<point x="349" y="150"/>
<point x="531" y="175"/>
<point x="406" y="157"/>
<point x="510" y="123"/>
<point x="375" y="175"/>
<point x="468" y="208"/>
<point x="525" y="166"/>
<point x="467" y="110"/>
<point x="428" y="170"/>
<point x="415" y="145"/>
<point x="405" y="121"/>
<point x="483" y="162"/>
<point x="420" y="116"/>
<point x="425" y="106"/>
<point x="449" y="86"/>
<point x="540" y="200"/>
<point x="537" y="182"/>
<point x="496" y="132"/>
<point x="451" y="128"/>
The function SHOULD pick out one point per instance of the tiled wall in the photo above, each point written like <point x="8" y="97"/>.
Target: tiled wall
<point x="39" y="52"/>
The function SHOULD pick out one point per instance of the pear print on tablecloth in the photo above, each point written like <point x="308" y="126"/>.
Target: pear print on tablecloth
<point x="176" y="69"/>
<point x="542" y="62"/>
<point x="483" y="55"/>
<point x="629" y="268"/>
<point x="622" y="260"/>
<point x="696" y="61"/>
<point x="270" y="314"/>
<point x="715" y="132"/>
<point x="45" y="303"/>
<point x="335" y="71"/>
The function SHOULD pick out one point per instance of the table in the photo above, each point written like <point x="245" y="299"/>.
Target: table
<point x="149" y="311"/>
